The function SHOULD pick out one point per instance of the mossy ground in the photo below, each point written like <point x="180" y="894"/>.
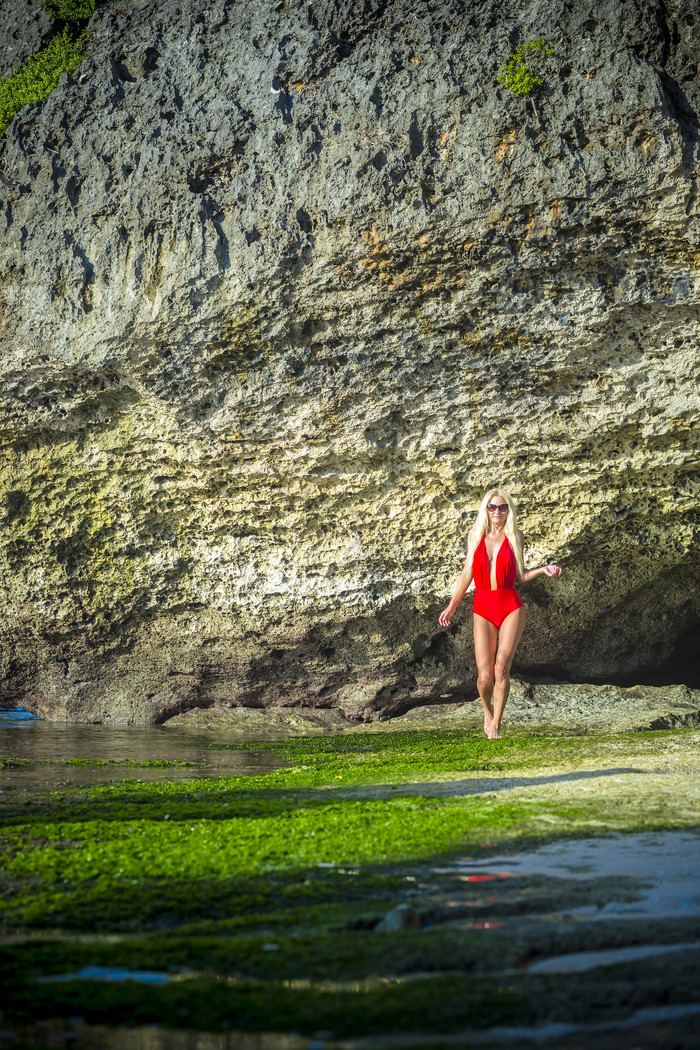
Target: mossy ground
<point x="259" y="894"/>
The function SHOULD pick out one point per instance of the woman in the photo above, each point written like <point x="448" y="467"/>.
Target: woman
<point x="495" y="562"/>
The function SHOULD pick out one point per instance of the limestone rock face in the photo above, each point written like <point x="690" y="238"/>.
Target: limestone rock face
<point x="284" y="288"/>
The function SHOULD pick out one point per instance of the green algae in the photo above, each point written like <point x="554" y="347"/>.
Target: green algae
<point x="214" y="1005"/>
<point x="395" y="756"/>
<point x="246" y="888"/>
<point x="147" y="763"/>
<point x="424" y="755"/>
<point x="440" y="1003"/>
<point x="337" y="941"/>
<point x="194" y="848"/>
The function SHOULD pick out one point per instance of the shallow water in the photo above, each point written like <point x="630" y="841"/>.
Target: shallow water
<point x="580" y="962"/>
<point x="47" y="747"/>
<point x="110" y="973"/>
<point x="668" y="862"/>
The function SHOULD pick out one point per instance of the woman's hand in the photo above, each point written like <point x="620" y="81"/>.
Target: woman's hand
<point x="465" y="578"/>
<point x="552" y="570"/>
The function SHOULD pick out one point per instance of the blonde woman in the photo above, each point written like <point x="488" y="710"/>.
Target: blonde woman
<point x="495" y="562"/>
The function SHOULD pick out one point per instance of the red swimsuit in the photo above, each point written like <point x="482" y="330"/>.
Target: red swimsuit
<point x="494" y="606"/>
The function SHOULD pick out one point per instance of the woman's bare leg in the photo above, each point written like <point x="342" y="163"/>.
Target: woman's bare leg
<point x="510" y="634"/>
<point x="485" y="637"/>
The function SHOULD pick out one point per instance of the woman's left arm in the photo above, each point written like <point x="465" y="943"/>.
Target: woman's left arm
<point x="541" y="570"/>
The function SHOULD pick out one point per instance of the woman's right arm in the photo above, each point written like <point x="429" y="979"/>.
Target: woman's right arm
<point x="461" y="587"/>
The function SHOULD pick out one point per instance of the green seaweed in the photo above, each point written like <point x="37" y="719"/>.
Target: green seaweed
<point x="216" y="1005"/>
<point x="8" y="762"/>
<point x="415" y="755"/>
<point x="259" y="894"/>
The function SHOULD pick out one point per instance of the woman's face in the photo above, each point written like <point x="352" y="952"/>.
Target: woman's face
<point x="497" y="509"/>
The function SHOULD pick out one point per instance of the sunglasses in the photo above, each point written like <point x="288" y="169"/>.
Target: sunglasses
<point x="493" y="507"/>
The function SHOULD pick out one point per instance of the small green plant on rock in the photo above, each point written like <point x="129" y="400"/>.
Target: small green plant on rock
<point x="38" y="77"/>
<point x="518" y="77"/>
<point x="70" y="10"/>
<point x="41" y="73"/>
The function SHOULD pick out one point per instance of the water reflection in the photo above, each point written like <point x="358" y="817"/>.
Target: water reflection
<point x="580" y="962"/>
<point x="668" y="862"/>
<point x="110" y="973"/>
<point x="44" y="755"/>
<point x="16" y="716"/>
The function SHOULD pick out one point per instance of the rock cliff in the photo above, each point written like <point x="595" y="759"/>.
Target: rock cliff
<point x="284" y="288"/>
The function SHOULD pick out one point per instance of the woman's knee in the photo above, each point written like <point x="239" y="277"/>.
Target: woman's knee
<point x="502" y="670"/>
<point x="485" y="679"/>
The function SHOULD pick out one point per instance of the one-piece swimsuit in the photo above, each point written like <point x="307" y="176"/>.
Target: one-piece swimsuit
<point x="495" y="605"/>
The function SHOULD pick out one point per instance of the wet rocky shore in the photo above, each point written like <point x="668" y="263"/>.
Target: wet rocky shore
<point x="391" y="885"/>
<point x="532" y="707"/>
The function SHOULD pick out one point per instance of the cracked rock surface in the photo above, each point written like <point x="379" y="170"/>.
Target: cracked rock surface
<point x="24" y="28"/>
<point x="284" y="289"/>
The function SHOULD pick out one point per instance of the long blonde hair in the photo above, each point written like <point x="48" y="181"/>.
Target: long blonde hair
<point x="481" y="526"/>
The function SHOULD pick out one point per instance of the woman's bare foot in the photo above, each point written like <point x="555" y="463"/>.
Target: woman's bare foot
<point x="487" y="723"/>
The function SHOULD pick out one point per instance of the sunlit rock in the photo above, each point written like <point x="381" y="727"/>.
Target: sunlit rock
<point x="284" y="289"/>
